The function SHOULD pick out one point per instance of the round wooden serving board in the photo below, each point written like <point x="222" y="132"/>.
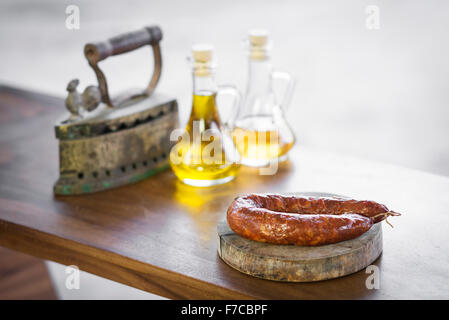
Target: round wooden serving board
<point x="298" y="263"/>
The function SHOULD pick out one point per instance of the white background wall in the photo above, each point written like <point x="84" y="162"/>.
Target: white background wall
<point x="379" y="94"/>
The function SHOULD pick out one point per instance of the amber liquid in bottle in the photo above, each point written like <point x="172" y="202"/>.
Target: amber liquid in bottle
<point x="257" y="138"/>
<point x="261" y="132"/>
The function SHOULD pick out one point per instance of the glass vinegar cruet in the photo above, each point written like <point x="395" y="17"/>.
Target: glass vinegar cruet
<point x="261" y="132"/>
<point x="205" y="154"/>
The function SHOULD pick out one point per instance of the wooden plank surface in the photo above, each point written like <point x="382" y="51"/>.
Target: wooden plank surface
<point x="160" y="235"/>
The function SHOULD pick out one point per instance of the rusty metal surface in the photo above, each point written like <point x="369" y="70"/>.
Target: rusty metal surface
<point x="92" y="161"/>
<point x="121" y="140"/>
<point x="106" y="120"/>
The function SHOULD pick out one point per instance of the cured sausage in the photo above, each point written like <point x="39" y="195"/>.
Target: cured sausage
<point x="306" y="221"/>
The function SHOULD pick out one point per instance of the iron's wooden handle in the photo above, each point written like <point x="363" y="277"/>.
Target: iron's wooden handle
<point x="98" y="51"/>
<point x="123" y="43"/>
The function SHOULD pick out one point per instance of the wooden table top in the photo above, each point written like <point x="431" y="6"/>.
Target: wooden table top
<point x="159" y="235"/>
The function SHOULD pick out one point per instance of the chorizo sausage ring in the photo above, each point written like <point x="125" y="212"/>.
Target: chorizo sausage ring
<point x="306" y="221"/>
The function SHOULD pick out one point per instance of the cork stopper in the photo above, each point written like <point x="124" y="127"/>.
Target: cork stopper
<point x="258" y="37"/>
<point x="202" y="52"/>
<point x="202" y="55"/>
<point x="258" y="43"/>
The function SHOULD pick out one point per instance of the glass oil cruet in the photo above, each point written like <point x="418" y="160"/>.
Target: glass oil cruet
<point x="261" y="132"/>
<point x="205" y="154"/>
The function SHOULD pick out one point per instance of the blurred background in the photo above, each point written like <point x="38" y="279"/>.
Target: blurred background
<point x="379" y="93"/>
<point x="376" y="93"/>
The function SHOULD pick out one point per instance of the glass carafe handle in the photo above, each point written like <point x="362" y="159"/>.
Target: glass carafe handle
<point x="232" y="91"/>
<point x="283" y="100"/>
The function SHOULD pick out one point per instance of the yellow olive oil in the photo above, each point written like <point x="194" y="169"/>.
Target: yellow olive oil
<point x="200" y="158"/>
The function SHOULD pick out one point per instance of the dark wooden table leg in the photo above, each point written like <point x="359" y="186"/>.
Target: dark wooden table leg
<point x="23" y="277"/>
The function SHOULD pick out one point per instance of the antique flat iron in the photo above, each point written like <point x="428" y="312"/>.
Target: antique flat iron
<point x="105" y="142"/>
